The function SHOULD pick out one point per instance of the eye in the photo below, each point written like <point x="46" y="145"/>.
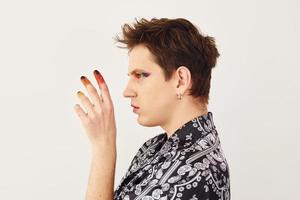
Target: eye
<point x="142" y="74"/>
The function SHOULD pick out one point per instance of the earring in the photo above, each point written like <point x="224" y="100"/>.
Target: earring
<point x="179" y="96"/>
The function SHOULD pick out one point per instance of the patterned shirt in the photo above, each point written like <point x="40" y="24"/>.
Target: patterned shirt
<point x="190" y="164"/>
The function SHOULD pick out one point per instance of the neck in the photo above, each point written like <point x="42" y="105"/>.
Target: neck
<point x="184" y="113"/>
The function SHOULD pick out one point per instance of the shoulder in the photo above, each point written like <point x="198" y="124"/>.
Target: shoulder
<point x="154" y="140"/>
<point x="151" y="144"/>
<point x="148" y="147"/>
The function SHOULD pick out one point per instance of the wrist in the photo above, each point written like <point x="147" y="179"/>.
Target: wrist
<point x="104" y="150"/>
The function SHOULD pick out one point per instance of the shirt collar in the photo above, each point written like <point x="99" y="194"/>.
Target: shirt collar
<point x="189" y="133"/>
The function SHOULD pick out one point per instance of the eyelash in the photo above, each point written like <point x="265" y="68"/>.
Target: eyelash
<point x="145" y="74"/>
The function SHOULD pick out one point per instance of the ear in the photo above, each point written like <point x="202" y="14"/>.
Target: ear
<point x="183" y="79"/>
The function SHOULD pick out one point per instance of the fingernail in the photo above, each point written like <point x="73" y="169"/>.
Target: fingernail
<point x="99" y="76"/>
<point x="79" y="93"/>
<point x="84" y="80"/>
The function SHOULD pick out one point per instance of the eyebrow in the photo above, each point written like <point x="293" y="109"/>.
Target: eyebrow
<point x="135" y="70"/>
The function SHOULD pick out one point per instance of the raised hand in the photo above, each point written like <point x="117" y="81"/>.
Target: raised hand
<point x="99" y="120"/>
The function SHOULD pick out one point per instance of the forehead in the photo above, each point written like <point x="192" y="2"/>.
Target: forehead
<point x="141" y="59"/>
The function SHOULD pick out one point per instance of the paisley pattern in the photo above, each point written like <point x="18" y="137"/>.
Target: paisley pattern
<point x="190" y="164"/>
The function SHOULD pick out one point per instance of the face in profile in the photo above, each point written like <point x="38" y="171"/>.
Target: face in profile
<point x="148" y="89"/>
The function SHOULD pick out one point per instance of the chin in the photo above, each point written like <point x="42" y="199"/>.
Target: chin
<point x="144" y="121"/>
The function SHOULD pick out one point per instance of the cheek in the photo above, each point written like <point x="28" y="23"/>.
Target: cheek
<point x="162" y="98"/>
<point x="157" y="95"/>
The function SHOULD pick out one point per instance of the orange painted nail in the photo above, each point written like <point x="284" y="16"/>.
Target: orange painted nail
<point x="84" y="80"/>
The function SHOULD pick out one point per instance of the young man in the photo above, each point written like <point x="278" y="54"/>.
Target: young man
<point x="170" y="65"/>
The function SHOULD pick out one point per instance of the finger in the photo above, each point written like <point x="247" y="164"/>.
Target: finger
<point x="86" y="102"/>
<point x="103" y="87"/>
<point x="80" y="112"/>
<point x="96" y="99"/>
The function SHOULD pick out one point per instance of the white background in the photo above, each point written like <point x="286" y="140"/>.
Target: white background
<point x="45" y="46"/>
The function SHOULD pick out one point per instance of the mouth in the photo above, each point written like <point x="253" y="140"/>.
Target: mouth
<point x="134" y="106"/>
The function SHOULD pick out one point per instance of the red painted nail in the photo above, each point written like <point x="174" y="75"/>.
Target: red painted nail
<point x="99" y="76"/>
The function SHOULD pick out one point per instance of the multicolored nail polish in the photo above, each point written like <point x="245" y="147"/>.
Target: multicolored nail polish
<point x="79" y="93"/>
<point x="84" y="80"/>
<point x="96" y="71"/>
<point x="99" y="76"/>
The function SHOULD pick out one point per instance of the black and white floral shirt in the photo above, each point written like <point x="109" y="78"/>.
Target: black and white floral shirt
<point x="190" y="164"/>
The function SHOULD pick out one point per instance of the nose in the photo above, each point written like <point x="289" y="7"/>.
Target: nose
<point x="128" y="92"/>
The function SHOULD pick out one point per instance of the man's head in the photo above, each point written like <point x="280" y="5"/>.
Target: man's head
<point x="177" y="58"/>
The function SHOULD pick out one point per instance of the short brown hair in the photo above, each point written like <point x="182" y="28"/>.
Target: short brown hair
<point x="173" y="43"/>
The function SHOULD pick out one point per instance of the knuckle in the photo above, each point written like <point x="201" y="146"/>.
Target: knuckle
<point x="93" y="114"/>
<point x="109" y="108"/>
<point x="99" y="111"/>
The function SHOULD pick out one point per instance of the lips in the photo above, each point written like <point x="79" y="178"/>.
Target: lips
<point x="134" y="106"/>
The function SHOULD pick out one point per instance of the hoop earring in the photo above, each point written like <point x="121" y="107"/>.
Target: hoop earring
<point x="179" y="96"/>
